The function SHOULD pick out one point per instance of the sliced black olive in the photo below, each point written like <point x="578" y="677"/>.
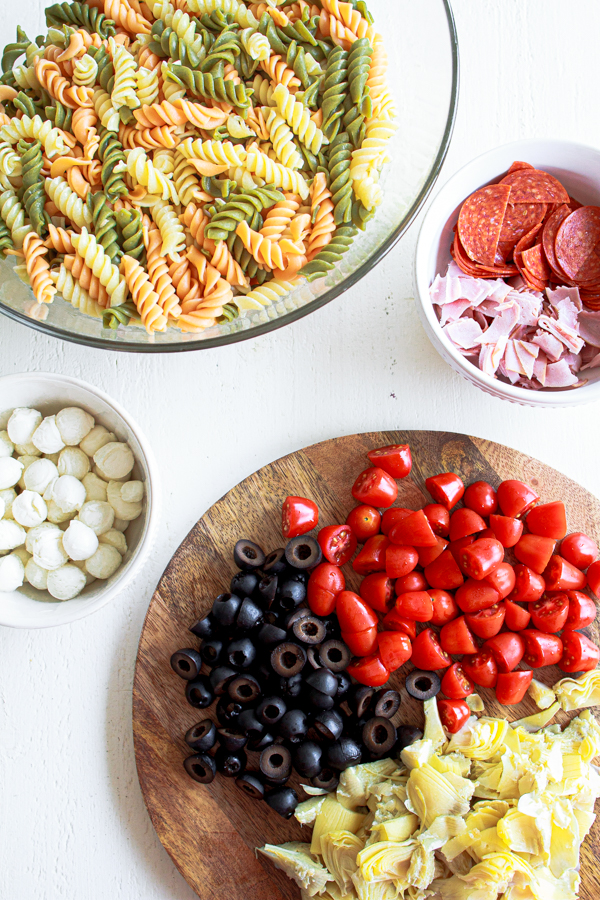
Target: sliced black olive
<point x="270" y="635"/>
<point x="323" y="680"/>
<point x="205" y="628"/>
<point x="293" y="726"/>
<point x="342" y="754"/>
<point x="283" y="801"/>
<point x="249" y="725"/>
<point x="386" y="703"/>
<point x="270" y="710"/>
<point x="307" y="759"/>
<point x="288" y="659"/>
<point x="327" y="780"/>
<point x="301" y="612"/>
<point x="228" y="711"/>
<point x="271" y="617"/>
<point x="276" y="763"/>
<point x="187" y="663"/>
<point x="312" y="657"/>
<point x="303" y="552"/>
<point x="267" y="590"/>
<point x="259" y="743"/>
<point x="291" y="687"/>
<point x="230" y="764"/>
<point x="359" y="699"/>
<point x="244" y="689"/>
<point x="219" y="679"/>
<point x="251" y="785"/>
<point x="249" y="615"/>
<point x="422" y="685"/>
<point x="319" y="700"/>
<point x="335" y="655"/>
<point x="407" y="735"/>
<point x="212" y="652"/>
<point x="344" y="685"/>
<point x="225" y="609"/>
<point x="291" y="574"/>
<point x="291" y="594"/>
<point x="198" y="693"/>
<point x="202" y="736"/>
<point x="379" y="736"/>
<point x="243" y="584"/>
<point x="309" y="630"/>
<point x="329" y="724"/>
<point x="201" y="767"/>
<point x="241" y="653"/>
<point x="248" y="556"/>
<point x="231" y="740"/>
<point x="275" y="562"/>
<point x="332" y="627"/>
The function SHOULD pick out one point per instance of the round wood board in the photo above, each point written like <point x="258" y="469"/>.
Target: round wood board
<point x="211" y="832"/>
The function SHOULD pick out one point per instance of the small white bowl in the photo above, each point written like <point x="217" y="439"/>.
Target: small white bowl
<point x="577" y="167"/>
<point x="27" y="607"/>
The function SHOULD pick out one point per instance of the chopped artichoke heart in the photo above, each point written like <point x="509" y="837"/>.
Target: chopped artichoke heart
<point x="418" y="754"/>
<point x="434" y="730"/>
<point x="334" y="817"/>
<point x="452" y="762"/>
<point x="541" y="694"/>
<point x="356" y="782"/>
<point x="537" y="720"/>
<point x="307" y="812"/>
<point x="521" y="833"/>
<point x="386" y="860"/>
<point x="297" y="863"/>
<point x="481" y="739"/>
<point x="398" y="829"/>
<point x="339" y="850"/>
<point x="475" y="703"/>
<point x="432" y="794"/>
<point x="577" y="693"/>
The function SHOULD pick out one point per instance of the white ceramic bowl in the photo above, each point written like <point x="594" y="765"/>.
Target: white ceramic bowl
<point x="27" y="607"/>
<point x="578" y="168"/>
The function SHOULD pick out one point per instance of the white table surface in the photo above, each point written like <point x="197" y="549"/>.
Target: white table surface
<point x="72" y="819"/>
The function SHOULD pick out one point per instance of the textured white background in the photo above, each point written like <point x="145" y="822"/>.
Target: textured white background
<point x="72" y="819"/>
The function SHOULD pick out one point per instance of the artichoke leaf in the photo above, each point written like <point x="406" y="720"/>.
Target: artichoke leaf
<point x="339" y="850"/>
<point x="541" y="694"/>
<point x="307" y="812"/>
<point x="357" y="781"/>
<point x="577" y="693"/>
<point x="480" y="738"/>
<point x="537" y="720"/>
<point x="295" y="860"/>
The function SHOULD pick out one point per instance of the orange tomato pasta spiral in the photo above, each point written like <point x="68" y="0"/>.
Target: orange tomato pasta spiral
<point x="122" y="13"/>
<point x="350" y="19"/>
<point x="322" y="212"/>
<point x="148" y="138"/>
<point x="50" y="77"/>
<point x="279" y="217"/>
<point x="59" y="239"/>
<point x="144" y="297"/>
<point x="84" y="129"/>
<point x="82" y="273"/>
<point x="279" y="72"/>
<point x="186" y="286"/>
<point x="224" y="262"/>
<point x="158" y="271"/>
<point x="264" y="251"/>
<point x="196" y="220"/>
<point x="38" y="268"/>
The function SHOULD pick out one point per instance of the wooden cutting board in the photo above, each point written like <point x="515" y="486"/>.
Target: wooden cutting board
<point x="211" y="832"/>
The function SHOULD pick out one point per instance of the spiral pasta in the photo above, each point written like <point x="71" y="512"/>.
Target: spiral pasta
<point x="235" y="8"/>
<point x="75" y="294"/>
<point x="144" y="297"/>
<point x="158" y="272"/>
<point x="38" y="268"/>
<point x="124" y="89"/>
<point x="323" y="225"/>
<point x="35" y="129"/>
<point x="13" y="215"/>
<point x="66" y="200"/>
<point x="258" y="163"/>
<point x="147" y="86"/>
<point x="94" y="256"/>
<point x="299" y="119"/>
<point x="282" y="139"/>
<point x="142" y="170"/>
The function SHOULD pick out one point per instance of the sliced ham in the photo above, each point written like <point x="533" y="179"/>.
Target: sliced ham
<point x="589" y="327"/>
<point x="501" y="326"/>
<point x="451" y="312"/>
<point x="558" y="295"/>
<point x="464" y="333"/>
<point x="491" y="356"/>
<point x="473" y="289"/>
<point x="539" y="368"/>
<point x="527" y="354"/>
<point x="559" y="375"/>
<point x="551" y="346"/>
<point x="561" y="331"/>
<point x="593" y="363"/>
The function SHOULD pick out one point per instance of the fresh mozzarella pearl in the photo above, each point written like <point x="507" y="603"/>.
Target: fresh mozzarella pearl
<point x="12" y="573"/>
<point x="22" y="424"/>
<point x="123" y="510"/>
<point x="73" y="424"/>
<point x="36" y="576"/>
<point x="97" y="515"/>
<point x="11" y="534"/>
<point x="120" y="524"/>
<point x="66" y="582"/>
<point x="105" y="562"/>
<point x="97" y="438"/>
<point x="48" y="550"/>
<point x="39" y="475"/>
<point x="114" y="460"/>
<point x="73" y="461"/>
<point x="116" y="539"/>
<point x="10" y="472"/>
<point x="57" y="516"/>
<point x="47" y="437"/>
<point x="34" y="533"/>
<point x="29" y="509"/>
<point x="27" y="461"/>
<point x="95" y="488"/>
<point x="80" y="541"/>
<point x="133" y="492"/>
<point x="6" y="445"/>
<point x="28" y="449"/>
<point x="23" y="555"/>
<point x="68" y="493"/>
<point x="8" y="498"/>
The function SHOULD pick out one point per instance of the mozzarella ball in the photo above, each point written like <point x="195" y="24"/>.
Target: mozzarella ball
<point x="47" y="548"/>
<point x="80" y="541"/>
<point x="28" y="449"/>
<point x="36" y="576"/>
<point x="22" y="424"/>
<point x="6" y="445"/>
<point x="80" y="563"/>
<point x="98" y="437"/>
<point x="40" y="475"/>
<point x="10" y="471"/>
<point x="114" y="460"/>
<point x="116" y="539"/>
<point x="123" y="510"/>
<point x="66" y="582"/>
<point x="97" y="515"/>
<point x="95" y="488"/>
<point x="11" y="534"/>
<point x="68" y="493"/>
<point x="120" y="524"/>
<point x="73" y="461"/>
<point x="47" y="437"/>
<point x="27" y="461"/>
<point x="23" y="555"/>
<point x="8" y="498"/>
<point x="73" y="424"/>
<point x="34" y="533"/>
<point x="133" y="492"/>
<point x="105" y="562"/>
<point x="12" y="573"/>
<point x="29" y="509"/>
<point x="57" y="516"/>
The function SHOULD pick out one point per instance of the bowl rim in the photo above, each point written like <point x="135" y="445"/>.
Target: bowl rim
<point x="332" y="293"/>
<point x="472" y="372"/>
<point x="153" y="505"/>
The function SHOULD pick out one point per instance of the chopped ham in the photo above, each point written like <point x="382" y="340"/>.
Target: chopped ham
<point x="559" y="375"/>
<point x="539" y="368"/>
<point x="463" y="333"/>
<point x="491" y="356"/>
<point x="560" y="294"/>
<point x="589" y="327"/>
<point x="527" y="354"/>
<point x="473" y="289"/>
<point x="593" y="363"/>
<point x="451" y="312"/>
<point x="501" y="326"/>
<point x="551" y="346"/>
<point x="561" y="331"/>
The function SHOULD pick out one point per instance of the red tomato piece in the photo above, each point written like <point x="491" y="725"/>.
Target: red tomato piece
<point x="453" y="714"/>
<point x="372" y="556"/>
<point x="353" y="613"/>
<point x="502" y="579"/>
<point x="427" y="653"/>
<point x="414" y="581"/>
<point x="560" y="575"/>
<point x="534" y="551"/>
<point x="516" y="618"/>
<point x="511" y="687"/>
<point x="481" y="669"/>
<point x="364" y="522"/>
<point x="548" y="520"/>
<point x="481" y="558"/>
<point x="481" y="498"/>
<point x="443" y="572"/>
<point x="375" y="488"/>
<point x="298" y="516"/>
<point x="428" y="554"/>
<point x="361" y="643"/>
<point x="579" y="653"/>
<point x="487" y="533"/>
<point x="438" y="517"/>
<point x="579" y="549"/>
<point x="395" y="649"/>
<point x="324" y="584"/>
<point x="394" y="459"/>
<point x="446" y="488"/>
<point x="541" y="649"/>
<point x="507" y="649"/>
<point x="487" y="622"/>
<point x="414" y="530"/>
<point x="506" y="529"/>
<point x="456" y="637"/>
<point x="474" y="596"/>
<point x="593" y="578"/>
<point x="516" y="498"/>
<point x="378" y="591"/>
<point x="550" y="613"/>
<point x="400" y="560"/>
<point x="444" y="607"/>
<point x="337" y="543"/>
<point x="582" y="610"/>
<point x="529" y="586"/>
<point x="395" y="622"/>
<point x="391" y="516"/>
<point x="415" y="605"/>
<point x="455" y="683"/>
<point x="369" y="670"/>
<point x="463" y="522"/>
<point x="456" y="547"/>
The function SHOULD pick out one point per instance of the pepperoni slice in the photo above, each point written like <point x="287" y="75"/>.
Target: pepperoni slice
<point x="551" y="227"/>
<point x="470" y="268"/>
<point x="480" y="222"/>
<point x="575" y="244"/>
<point x="519" y="219"/>
<point x="533" y="186"/>
<point x="535" y="266"/>
<point x="574" y="204"/>
<point x="517" y="165"/>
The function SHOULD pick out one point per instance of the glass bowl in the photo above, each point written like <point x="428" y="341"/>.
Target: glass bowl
<point x="423" y="75"/>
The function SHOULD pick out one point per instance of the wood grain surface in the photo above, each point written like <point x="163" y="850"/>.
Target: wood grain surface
<point x="211" y="832"/>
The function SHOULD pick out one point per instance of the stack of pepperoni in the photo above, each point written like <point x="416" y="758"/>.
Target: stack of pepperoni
<point x="528" y="224"/>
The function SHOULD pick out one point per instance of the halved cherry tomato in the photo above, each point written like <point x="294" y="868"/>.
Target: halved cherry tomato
<point x="481" y="558"/>
<point x="453" y="714"/>
<point x="324" y="584"/>
<point x="515" y="497"/>
<point x="375" y="488"/>
<point x="391" y="516"/>
<point x="579" y="549"/>
<point x="541" y="649"/>
<point x="507" y="649"/>
<point x="506" y="529"/>
<point x="427" y="653"/>
<point x="487" y="533"/>
<point x="361" y="643"/>
<point x="487" y="622"/>
<point x="438" y="517"/>
<point x="364" y="522"/>
<point x="338" y="543"/>
<point x="550" y="613"/>
<point x="534" y="551"/>
<point x="456" y="637"/>
<point x="582" y="610"/>
<point x="395" y="622"/>
<point x="428" y="554"/>
<point x="456" y="547"/>
<point x="512" y="686"/>
<point x="516" y="617"/>
<point x="481" y="498"/>
<point x="395" y="649"/>
<point x="446" y="488"/>
<point x="503" y="579"/>
<point x="415" y="605"/>
<point x="529" y="586"/>
<point x="443" y="572"/>
<point x="579" y="653"/>
<point x="378" y="591"/>
<point x="548" y="520"/>
<point x="481" y="669"/>
<point x="372" y="556"/>
<point x="560" y="575"/>
<point x="400" y="560"/>
<point x="455" y="683"/>
<point x="353" y="613"/>
<point x="394" y="459"/>
<point x="474" y="596"/>
<point x="414" y="581"/>
<point x="465" y="521"/>
<point x="414" y="530"/>
<point x="593" y="578"/>
<point x="369" y="670"/>
<point x="444" y="607"/>
<point x="298" y="515"/>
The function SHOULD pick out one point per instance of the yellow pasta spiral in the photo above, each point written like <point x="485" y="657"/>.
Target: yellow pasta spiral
<point x="173" y="237"/>
<point x="258" y="163"/>
<point x="124" y="90"/>
<point x="38" y="268"/>
<point x="94" y="256"/>
<point x="74" y="292"/>
<point x="85" y="71"/>
<point x="143" y="171"/>
<point x="145" y="299"/>
<point x="299" y="119"/>
<point x="265" y="295"/>
<point x="218" y="152"/>
<point x="282" y="139"/>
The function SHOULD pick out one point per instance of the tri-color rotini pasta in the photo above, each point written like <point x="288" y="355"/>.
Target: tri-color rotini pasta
<point x="178" y="163"/>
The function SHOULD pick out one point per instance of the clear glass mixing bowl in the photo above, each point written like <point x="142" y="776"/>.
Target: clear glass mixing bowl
<point x="423" y="75"/>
